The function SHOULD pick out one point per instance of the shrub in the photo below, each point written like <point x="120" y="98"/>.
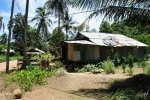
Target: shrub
<point x="114" y="57"/>
<point x="124" y="67"/>
<point x="130" y="71"/>
<point x="108" y="67"/>
<point x="147" y="70"/>
<point x="130" y="60"/>
<point x="60" y="72"/>
<point x="26" y="79"/>
<point x="86" y="68"/>
<point x="42" y="56"/>
<point x="143" y="64"/>
<point x="58" y="64"/>
<point x="127" y="95"/>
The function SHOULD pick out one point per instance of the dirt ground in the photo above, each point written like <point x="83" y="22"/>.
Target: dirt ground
<point x="12" y="66"/>
<point x="72" y="86"/>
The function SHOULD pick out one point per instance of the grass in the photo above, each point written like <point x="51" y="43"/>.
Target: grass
<point x="3" y="58"/>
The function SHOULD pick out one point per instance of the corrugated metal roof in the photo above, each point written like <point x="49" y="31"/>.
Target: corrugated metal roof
<point x="97" y="39"/>
<point x="80" y="42"/>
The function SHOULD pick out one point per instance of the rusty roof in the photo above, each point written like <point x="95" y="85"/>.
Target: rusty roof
<point x="80" y="42"/>
<point x="97" y="39"/>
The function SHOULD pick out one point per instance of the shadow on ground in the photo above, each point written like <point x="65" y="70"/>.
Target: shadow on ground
<point x="138" y="83"/>
<point x="98" y="94"/>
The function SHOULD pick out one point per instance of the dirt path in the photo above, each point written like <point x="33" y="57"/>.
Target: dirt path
<point x="12" y="65"/>
<point x="73" y="86"/>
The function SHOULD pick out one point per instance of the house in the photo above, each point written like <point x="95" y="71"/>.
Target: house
<point x="92" y="47"/>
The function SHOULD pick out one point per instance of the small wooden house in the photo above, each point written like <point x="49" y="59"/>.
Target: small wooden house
<point x="92" y="47"/>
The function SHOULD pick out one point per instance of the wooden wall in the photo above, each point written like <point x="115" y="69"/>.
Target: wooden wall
<point x="77" y="52"/>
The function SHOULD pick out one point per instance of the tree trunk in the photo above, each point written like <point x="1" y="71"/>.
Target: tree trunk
<point x="25" y="28"/>
<point x="9" y="37"/>
<point x="25" y="32"/>
<point x="59" y="24"/>
<point x="66" y="33"/>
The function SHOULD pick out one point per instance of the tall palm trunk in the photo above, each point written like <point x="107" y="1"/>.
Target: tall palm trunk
<point x="59" y="23"/>
<point x="25" y="28"/>
<point x="25" y="34"/>
<point x="66" y="33"/>
<point x="9" y="37"/>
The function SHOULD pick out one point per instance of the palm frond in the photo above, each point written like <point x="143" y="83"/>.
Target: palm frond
<point x="82" y="26"/>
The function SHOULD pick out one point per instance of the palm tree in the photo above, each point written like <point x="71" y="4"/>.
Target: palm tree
<point x="9" y="36"/>
<point x="3" y="39"/>
<point x="58" y="8"/>
<point x="42" y="20"/>
<point x="67" y="23"/>
<point x="1" y="23"/>
<point x="118" y="10"/>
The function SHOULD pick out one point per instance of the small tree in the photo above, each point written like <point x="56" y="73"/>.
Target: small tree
<point x="130" y="63"/>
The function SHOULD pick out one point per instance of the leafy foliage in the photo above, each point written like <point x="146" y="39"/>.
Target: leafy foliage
<point x="67" y="23"/>
<point x="114" y="57"/>
<point x="28" y="78"/>
<point x="3" y="39"/>
<point x="105" y="27"/>
<point x="123" y="67"/>
<point x="127" y="95"/>
<point x="130" y="71"/>
<point x="55" y="38"/>
<point x="60" y="72"/>
<point x="89" y="68"/>
<point x="108" y="66"/>
<point x="130" y="60"/>
<point x="42" y="20"/>
<point x="58" y="64"/>
<point x="33" y="38"/>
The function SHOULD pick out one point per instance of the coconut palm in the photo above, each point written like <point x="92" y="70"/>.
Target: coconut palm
<point x="1" y="23"/>
<point x="57" y="7"/>
<point x="3" y="39"/>
<point x="138" y="10"/>
<point x="42" y="20"/>
<point x="67" y="23"/>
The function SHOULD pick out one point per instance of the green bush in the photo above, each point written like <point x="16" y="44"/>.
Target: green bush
<point x="58" y="64"/>
<point x="42" y="56"/>
<point x="127" y="95"/>
<point x="130" y="60"/>
<point x="130" y="71"/>
<point x="143" y="64"/>
<point x="108" y="67"/>
<point x="2" y="58"/>
<point x="147" y="70"/>
<point x="114" y="57"/>
<point x="86" y="68"/>
<point x="60" y="72"/>
<point x="26" y="79"/>
<point x="123" y="67"/>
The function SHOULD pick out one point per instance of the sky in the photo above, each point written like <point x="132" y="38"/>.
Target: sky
<point x="5" y="8"/>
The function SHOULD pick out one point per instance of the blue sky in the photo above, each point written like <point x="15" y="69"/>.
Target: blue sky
<point x="5" y="8"/>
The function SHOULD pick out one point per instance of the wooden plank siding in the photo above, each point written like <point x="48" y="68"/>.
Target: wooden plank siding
<point x="78" y="52"/>
<point x="85" y="52"/>
<point x="70" y="52"/>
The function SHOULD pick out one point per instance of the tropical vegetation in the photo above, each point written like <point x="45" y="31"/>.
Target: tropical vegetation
<point x="129" y="17"/>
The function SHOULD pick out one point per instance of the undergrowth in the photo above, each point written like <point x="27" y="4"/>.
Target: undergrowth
<point x="128" y="95"/>
<point x="108" y="66"/>
<point x="26" y="79"/>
